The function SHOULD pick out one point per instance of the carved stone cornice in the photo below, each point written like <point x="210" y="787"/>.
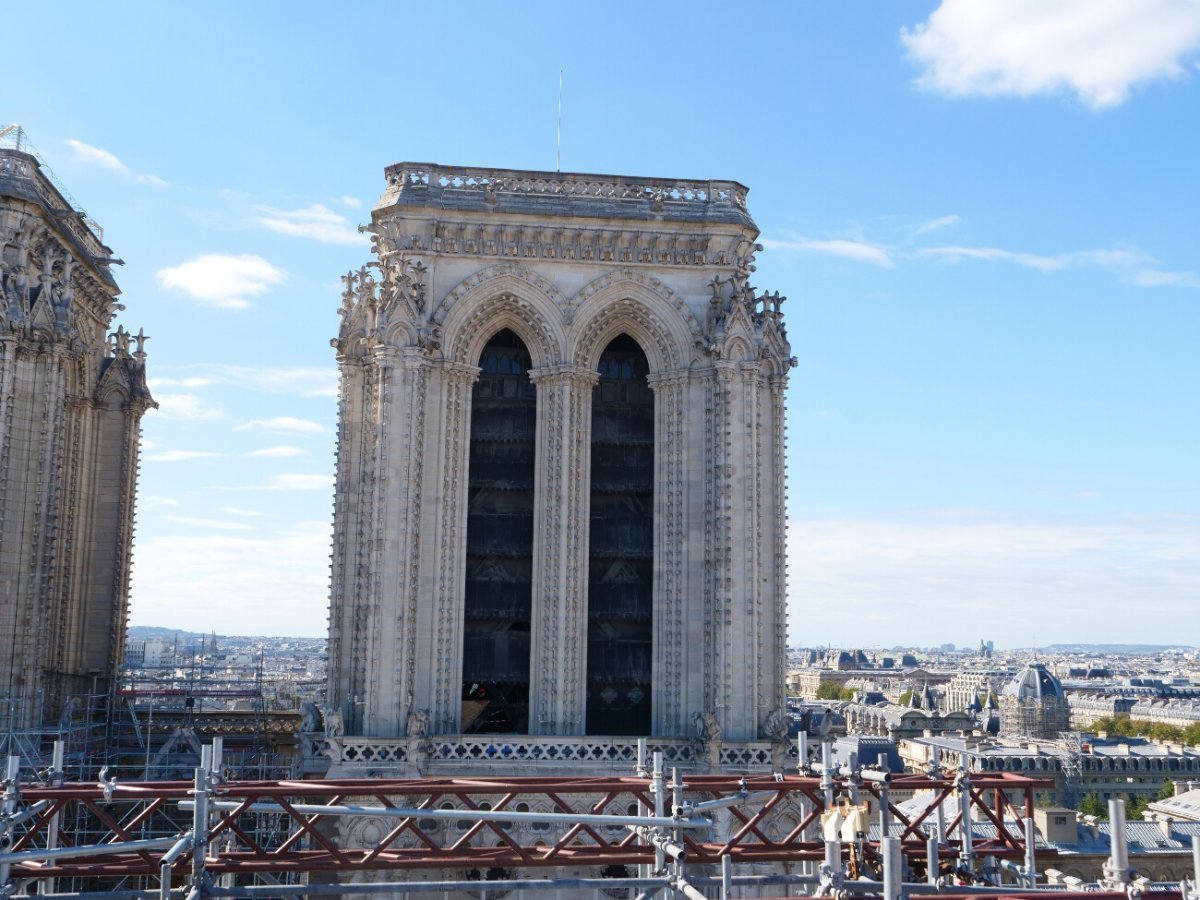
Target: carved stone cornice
<point x="587" y="244"/>
<point x="508" y="214"/>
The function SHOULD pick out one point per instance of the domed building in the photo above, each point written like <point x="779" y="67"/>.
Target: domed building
<point x="1033" y="705"/>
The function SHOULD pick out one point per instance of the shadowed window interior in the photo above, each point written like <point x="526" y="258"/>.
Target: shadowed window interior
<point x="621" y="551"/>
<point x="499" y="577"/>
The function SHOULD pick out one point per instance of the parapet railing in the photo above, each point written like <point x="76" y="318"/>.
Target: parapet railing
<point x="470" y="751"/>
<point x="20" y="161"/>
<point x="418" y="176"/>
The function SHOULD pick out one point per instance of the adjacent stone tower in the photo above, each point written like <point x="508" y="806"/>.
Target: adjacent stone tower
<point x="560" y="476"/>
<point x="72" y="395"/>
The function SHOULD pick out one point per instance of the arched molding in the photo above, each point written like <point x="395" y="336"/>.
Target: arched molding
<point x="400" y="333"/>
<point x="737" y="349"/>
<point x="114" y="381"/>
<point x="639" y="305"/>
<point x="503" y="296"/>
<point x="629" y="307"/>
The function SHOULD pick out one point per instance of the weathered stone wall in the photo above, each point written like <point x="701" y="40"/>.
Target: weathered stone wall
<point x="72" y="394"/>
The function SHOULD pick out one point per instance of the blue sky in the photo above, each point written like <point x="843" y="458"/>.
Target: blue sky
<point x="983" y="215"/>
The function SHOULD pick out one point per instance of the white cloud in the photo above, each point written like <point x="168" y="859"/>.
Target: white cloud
<point x="239" y="511"/>
<point x="153" y="502"/>
<point x="266" y="583"/>
<point x="283" y="425"/>
<point x="856" y="250"/>
<point x="1028" y="260"/>
<point x="96" y="156"/>
<point x="317" y="222"/>
<point x="293" y="481"/>
<point x="1131" y="266"/>
<point x="187" y="407"/>
<point x="1095" y="49"/>
<point x="208" y="523"/>
<point x="938" y="223"/>
<point x="352" y="202"/>
<point x="180" y="455"/>
<point x="223" y="281"/>
<point x="1156" y="278"/>
<point x="281" y="451"/>
<point x="156" y="383"/>
<point x="1033" y="580"/>
<point x="303" y="381"/>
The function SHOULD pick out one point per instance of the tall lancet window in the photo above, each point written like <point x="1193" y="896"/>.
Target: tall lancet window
<point x="621" y="554"/>
<point x="499" y="578"/>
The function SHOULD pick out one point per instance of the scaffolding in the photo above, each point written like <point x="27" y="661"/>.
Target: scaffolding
<point x="652" y="831"/>
<point x="162" y="716"/>
<point x="81" y="729"/>
<point x="1070" y="759"/>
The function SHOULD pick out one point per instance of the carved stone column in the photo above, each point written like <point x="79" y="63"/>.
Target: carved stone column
<point x="437" y="679"/>
<point x="775" y="525"/>
<point x="558" y="667"/>
<point x="735" y="602"/>
<point x="350" y="517"/>
<point x="669" y="709"/>
<point x="380" y="584"/>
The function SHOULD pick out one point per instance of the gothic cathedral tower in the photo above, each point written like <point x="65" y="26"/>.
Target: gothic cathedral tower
<point x="560" y="478"/>
<point x="72" y="395"/>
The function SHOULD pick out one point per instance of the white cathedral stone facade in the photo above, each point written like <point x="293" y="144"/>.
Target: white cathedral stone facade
<point x="72" y="394"/>
<point x="559" y="508"/>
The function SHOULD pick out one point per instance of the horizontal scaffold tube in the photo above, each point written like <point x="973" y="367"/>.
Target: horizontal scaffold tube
<point x="460" y="815"/>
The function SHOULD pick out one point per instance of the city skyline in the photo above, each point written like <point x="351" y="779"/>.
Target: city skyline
<point x="989" y="255"/>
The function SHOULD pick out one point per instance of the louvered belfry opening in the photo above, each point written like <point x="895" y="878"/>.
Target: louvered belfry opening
<point x="621" y="551"/>
<point x="499" y="577"/>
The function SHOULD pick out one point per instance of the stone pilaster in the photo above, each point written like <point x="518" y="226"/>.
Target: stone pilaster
<point x="671" y="631"/>
<point x="442" y="658"/>
<point x="560" y="547"/>
<point x="385" y="531"/>
<point x="348" y="566"/>
<point x="775" y="521"/>
<point x="737" y="595"/>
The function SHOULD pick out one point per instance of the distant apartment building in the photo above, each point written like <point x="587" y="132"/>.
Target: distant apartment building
<point x="1086" y="709"/>
<point x="1110" y="769"/>
<point x="896" y="722"/>
<point x="971" y="685"/>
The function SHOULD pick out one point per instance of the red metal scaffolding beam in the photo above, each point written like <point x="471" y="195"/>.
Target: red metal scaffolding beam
<point x="307" y="842"/>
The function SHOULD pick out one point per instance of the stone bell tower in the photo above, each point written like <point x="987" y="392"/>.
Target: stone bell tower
<point x="72" y="394"/>
<point x="559" y="509"/>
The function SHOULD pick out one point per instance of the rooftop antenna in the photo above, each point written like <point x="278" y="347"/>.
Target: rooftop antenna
<point x="558" y="154"/>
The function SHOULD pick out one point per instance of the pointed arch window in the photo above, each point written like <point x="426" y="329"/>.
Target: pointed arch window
<point x="621" y="549"/>
<point x="499" y="564"/>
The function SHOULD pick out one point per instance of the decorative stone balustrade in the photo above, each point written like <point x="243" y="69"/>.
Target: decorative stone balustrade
<point x="22" y="167"/>
<point x="416" y="177"/>
<point x="598" y="755"/>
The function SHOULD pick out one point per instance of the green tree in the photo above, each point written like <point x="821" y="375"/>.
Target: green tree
<point x="847" y="694"/>
<point x="906" y="698"/>
<point x="829" y="690"/>
<point x="1167" y="791"/>
<point x="1092" y="805"/>
<point x="1134" y="807"/>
